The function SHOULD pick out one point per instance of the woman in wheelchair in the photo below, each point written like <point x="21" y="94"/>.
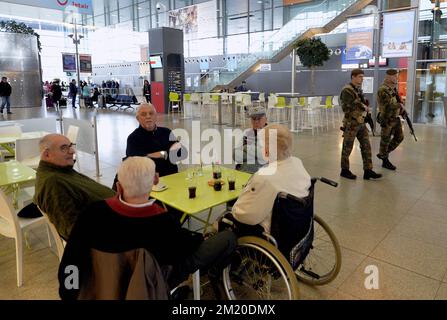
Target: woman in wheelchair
<point x="277" y="205"/>
<point x="283" y="173"/>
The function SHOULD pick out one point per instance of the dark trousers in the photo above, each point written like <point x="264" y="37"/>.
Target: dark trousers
<point x="148" y="97"/>
<point x="73" y="101"/>
<point x="213" y="254"/>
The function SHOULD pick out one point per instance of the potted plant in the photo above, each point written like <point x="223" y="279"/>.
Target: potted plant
<point x="312" y="53"/>
<point x="14" y="27"/>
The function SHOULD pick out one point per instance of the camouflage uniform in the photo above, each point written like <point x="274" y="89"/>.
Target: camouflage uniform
<point x="354" y="126"/>
<point x="389" y="107"/>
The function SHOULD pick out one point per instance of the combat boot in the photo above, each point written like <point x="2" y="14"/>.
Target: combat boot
<point x="388" y="165"/>
<point x="346" y="173"/>
<point x="370" y="174"/>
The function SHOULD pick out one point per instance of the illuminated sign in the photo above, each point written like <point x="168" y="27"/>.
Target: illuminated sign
<point x="359" y="38"/>
<point x="79" y="6"/>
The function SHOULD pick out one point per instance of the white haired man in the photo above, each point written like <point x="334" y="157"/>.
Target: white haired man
<point x="152" y="141"/>
<point x="131" y="221"/>
<point x="284" y="173"/>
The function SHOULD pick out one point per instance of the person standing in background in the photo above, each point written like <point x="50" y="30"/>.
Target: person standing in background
<point x="73" y="91"/>
<point x="5" y="95"/>
<point x="57" y="92"/>
<point x="147" y="90"/>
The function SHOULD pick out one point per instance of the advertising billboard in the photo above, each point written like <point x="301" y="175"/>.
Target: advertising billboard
<point x="352" y="64"/>
<point x="184" y="18"/>
<point x="69" y="62"/>
<point x="359" y="38"/>
<point x="85" y="63"/>
<point x="80" y="6"/>
<point x="398" y="28"/>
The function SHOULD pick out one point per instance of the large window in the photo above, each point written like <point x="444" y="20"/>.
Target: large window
<point x="245" y="19"/>
<point x="430" y="102"/>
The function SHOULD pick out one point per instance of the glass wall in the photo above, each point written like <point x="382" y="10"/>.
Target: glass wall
<point x="431" y="87"/>
<point x="238" y="22"/>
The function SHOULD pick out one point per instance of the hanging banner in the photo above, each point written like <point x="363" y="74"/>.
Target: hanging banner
<point x="351" y="64"/>
<point x="185" y="19"/>
<point x="359" y="38"/>
<point x="79" y="6"/>
<point x="85" y="63"/>
<point x="398" y="29"/>
<point x="69" y="62"/>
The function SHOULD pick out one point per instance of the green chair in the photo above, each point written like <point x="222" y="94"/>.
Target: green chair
<point x="328" y="106"/>
<point x="174" y="102"/>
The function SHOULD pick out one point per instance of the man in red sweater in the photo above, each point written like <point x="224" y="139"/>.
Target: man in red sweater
<point x="129" y="221"/>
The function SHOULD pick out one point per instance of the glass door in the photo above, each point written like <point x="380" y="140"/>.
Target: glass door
<point x="431" y="93"/>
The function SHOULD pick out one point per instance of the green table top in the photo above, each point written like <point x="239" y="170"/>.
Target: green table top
<point x="13" y="172"/>
<point x="177" y="196"/>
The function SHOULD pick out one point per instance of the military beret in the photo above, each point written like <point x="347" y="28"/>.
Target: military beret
<point x="391" y="72"/>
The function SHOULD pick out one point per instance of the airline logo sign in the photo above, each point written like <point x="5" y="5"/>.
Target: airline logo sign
<point x="79" y="6"/>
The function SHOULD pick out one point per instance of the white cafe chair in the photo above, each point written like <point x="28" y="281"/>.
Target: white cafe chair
<point x="12" y="226"/>
<point x="28" y="152"/>
<point x="72" y="135"/>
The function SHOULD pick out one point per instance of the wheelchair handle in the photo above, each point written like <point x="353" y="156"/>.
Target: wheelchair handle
<point x="329" y="182"/>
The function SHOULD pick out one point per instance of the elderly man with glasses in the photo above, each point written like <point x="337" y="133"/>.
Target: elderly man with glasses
<point x="61" y="192"/>
<point x="248" y="152"/>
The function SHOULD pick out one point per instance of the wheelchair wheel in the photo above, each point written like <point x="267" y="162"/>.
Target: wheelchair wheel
<point x="323" y="261"/>
<point x="259" y="272"/>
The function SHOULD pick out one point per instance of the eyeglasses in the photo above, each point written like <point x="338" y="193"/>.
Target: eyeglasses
<point x="66" y="147"/>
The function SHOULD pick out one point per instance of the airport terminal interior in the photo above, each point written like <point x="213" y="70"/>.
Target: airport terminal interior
<point x="209" y="68"/>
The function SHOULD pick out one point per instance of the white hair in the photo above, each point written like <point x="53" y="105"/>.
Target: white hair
<point x="284" y="140"/>
<point x="145" y="105"/>
<point x="136" y="176"/>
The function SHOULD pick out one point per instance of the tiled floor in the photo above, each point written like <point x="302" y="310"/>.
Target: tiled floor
<point x="398" y="224"/>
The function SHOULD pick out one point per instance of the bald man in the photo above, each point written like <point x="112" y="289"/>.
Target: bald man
<point x="152" y="141"/>
<point x="61" y="192"/>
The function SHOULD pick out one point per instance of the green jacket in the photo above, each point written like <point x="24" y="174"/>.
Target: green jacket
<point x="62" y="193"/>
<point x="351" y="104"/>
<point x="389" y="106"/>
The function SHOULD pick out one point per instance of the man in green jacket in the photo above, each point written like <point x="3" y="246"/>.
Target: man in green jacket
<point x="355" y="110"/>
<point x="61" y="192"/>
<point x="390" y="108"/>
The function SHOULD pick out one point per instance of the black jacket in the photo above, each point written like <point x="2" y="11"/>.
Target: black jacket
<point x="5" y="89"/>
<point x="113" y="227"/>
<point x="57" y="92"/>
<point x="73" y="89"/>
<point x="142" y="142"/>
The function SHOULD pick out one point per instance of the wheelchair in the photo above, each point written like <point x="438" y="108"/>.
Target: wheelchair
<point x="300" y="246"/>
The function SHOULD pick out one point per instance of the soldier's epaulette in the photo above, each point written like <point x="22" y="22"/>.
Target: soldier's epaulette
<point x="349" y="88"/>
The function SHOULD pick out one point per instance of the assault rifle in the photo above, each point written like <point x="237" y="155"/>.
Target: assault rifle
<point x="406" y="117"/>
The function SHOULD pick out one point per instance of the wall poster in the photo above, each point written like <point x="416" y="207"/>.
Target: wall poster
<point x="359" y="38"/>
<point x="398" y="28"/>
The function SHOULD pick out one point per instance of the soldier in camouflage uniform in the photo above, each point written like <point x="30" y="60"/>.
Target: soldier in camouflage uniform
<point x="390" y="108"/>
<point x="351" y="98"/>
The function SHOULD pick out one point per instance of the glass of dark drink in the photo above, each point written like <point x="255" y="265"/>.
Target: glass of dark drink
<point x="231" y="182"/>
<point x="217" y="185"/>
<point x="192" y="192"/>
<point x="217" y="173"/>
<point x="192" y="185"/>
